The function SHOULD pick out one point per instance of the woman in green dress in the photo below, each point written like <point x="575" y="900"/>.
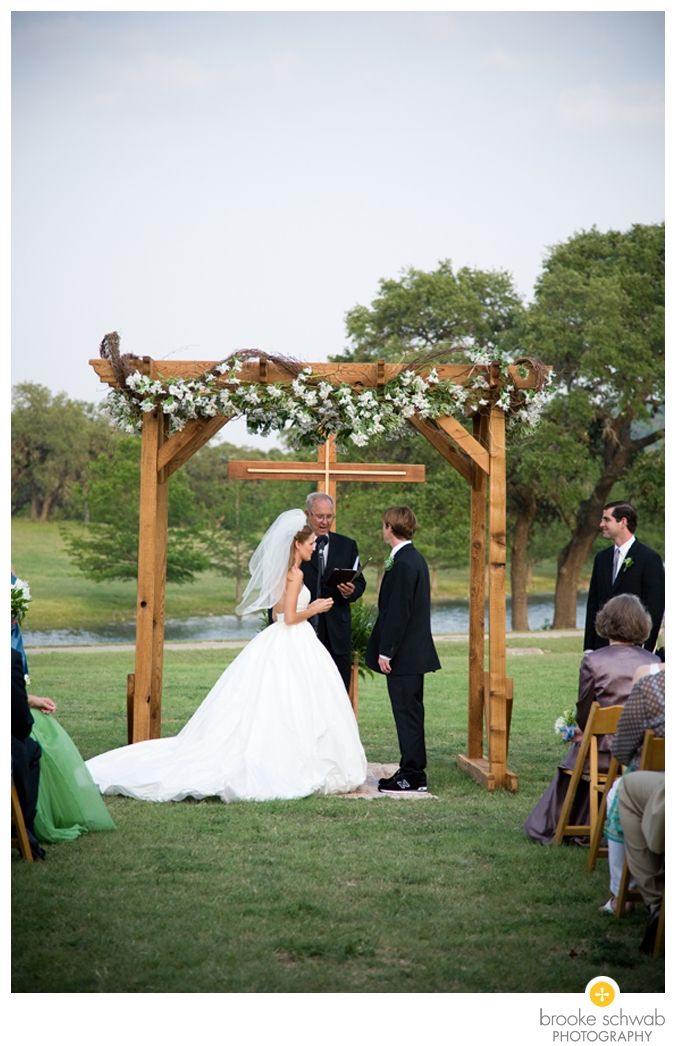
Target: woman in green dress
<point x="69" y="803"/>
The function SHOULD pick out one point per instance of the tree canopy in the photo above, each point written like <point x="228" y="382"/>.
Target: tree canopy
<point x="422" y="311"/>
<point x="599" y="310"/>
<point x="54" y="442"/>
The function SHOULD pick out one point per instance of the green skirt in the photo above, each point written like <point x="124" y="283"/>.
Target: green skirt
<point x="69" y="803"/>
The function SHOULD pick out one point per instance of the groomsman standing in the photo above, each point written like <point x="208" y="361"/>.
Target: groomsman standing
<point x="626" y="567"/>
<point x="401" y="646"/>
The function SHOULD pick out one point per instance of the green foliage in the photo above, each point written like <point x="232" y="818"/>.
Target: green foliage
<point x="598" y="317"/>
<point x="236" y="513"/>
<point x="433" y="310"/>
<point x="108" y="547"/>
<point x="643" y="485"/>
<point x="54" y="442"/>
<point x="442" y="497"/>
<point x="363" y="619"/>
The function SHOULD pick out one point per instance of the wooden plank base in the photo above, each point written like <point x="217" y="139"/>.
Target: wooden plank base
<point x="479" y="770"/>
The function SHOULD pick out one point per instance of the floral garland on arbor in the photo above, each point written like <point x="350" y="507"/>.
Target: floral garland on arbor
<point x="310" y="409"/>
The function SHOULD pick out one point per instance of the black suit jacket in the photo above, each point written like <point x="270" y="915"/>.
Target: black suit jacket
<point x="343" y="552"/>
<point x="403" y="630"/>
<point x="22" y="717"/>
<point x="643" y="578"/>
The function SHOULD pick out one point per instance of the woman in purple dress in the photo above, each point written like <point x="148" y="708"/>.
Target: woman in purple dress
<point x="606" y="676"/>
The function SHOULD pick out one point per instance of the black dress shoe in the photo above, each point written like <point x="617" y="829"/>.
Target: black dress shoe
<point x="647" y="945"/>
<point x="39" y="854"/>
<point x="402" y="782"/>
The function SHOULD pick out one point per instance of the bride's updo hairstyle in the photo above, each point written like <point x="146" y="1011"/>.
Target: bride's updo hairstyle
<point x="301" y="537"/>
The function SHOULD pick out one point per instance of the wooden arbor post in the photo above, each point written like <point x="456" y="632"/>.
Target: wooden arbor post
<point x="480" y="457"/>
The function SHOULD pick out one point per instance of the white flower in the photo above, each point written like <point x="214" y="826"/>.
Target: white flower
<point x="21" y="597"/>
<point x="309" y="412"/>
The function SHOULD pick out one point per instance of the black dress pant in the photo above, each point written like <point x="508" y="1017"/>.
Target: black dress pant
<point x="26" y="776"/>
<point x="343" y="662"/>
<point x="406" y="697"/>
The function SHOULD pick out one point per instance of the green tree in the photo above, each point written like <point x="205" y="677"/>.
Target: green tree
<point x="441" y="505"/>
<point x="236" y="513"/>
<point x="429" y="312"/>
<point x="54" y="441"/>
<point x="424" y="311"/>
<point x="598" y="318"/>
<point x="547" y="477"/>
<point x="108" y="547"/>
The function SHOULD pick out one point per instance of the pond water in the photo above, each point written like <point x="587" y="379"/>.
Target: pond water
<point x="448" y="618"/>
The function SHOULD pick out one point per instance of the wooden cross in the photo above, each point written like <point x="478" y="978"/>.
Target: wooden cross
<point x="326" y="471"/>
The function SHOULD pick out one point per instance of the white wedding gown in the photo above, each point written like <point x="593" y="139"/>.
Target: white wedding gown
<point x="277" y="725"/>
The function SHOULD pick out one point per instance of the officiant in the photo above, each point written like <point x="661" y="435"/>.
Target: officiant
<point x="332" y="551"/>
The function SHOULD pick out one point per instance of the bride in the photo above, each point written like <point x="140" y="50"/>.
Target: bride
<point x="277" y="724"/>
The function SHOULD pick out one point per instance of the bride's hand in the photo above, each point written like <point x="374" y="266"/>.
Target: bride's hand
<point x="320" y="606"/>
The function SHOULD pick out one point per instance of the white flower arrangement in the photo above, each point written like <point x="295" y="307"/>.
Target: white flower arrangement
<point x="566" y="725"/>
<point x="310" y="409"/>
<point x="21" y="597"/>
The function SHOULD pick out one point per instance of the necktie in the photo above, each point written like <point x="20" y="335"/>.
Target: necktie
<point x="321" y="542"/>
<point x="616" y="562"/>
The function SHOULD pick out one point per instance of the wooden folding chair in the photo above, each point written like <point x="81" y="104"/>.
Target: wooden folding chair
<point x="596" y="845"/>
<point x="652" y="758"/>
<point x="601" y="721"/>
<point x="20" y="840"/>
<point x="659" y="937"/>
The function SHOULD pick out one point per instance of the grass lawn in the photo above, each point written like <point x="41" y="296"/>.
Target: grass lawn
<point x="323" y="894"/>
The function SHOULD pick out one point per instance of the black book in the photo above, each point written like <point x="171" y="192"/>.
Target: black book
<point x="343" y="575"/>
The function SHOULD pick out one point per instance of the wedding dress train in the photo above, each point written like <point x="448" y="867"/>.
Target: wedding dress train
<point x="277" y="725"/>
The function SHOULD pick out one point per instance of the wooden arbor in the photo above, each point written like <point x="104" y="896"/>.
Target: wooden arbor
<point x="480" y="457"/>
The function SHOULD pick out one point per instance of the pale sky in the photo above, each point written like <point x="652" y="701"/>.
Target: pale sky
<point x="208" y="182"/>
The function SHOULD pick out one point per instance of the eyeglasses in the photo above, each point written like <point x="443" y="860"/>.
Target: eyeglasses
<point x="326" y="518"/>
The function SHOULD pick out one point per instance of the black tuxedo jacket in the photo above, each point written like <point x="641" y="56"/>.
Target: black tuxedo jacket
<point x="402" y="630"/>
<point x="343" y="552"/>
<point x="643" y="578"/>
<point x="25" y="750"/>
<point x="22" y="717"/>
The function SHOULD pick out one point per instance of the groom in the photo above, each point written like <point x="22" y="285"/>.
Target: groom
<point x="401" y="646"/>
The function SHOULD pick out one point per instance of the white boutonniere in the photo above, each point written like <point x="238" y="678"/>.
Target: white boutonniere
<point x="389" y="562"/>
<point x="629" y="562"/>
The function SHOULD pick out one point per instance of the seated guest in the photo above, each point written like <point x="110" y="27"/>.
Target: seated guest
<point x="643" y="711"/>
<point x="641" y="803"/>
<point x="606" y="676"/>
<point x="68" y="802"/>
<point x="25" y="753"/>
